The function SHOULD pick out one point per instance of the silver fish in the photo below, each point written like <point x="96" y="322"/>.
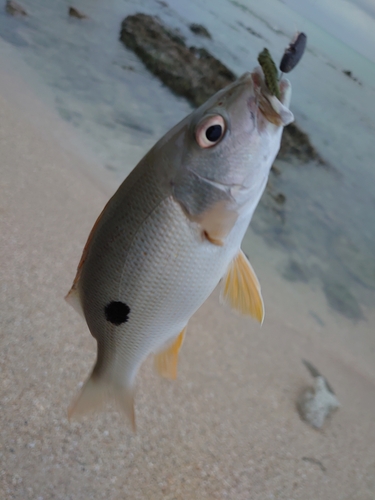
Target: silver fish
<point x="171" y="232"/>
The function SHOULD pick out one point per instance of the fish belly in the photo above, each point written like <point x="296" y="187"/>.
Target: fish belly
<point x="166" y="273"/>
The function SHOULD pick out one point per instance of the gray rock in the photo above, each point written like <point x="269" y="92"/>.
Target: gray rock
<point x="188" y="71"/>
<point x="317" y="403"/>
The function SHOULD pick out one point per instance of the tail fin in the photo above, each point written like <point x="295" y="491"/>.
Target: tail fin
<point x="96" y="392"/>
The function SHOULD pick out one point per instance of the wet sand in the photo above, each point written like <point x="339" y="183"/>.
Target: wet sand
<point x="227" y="428"/>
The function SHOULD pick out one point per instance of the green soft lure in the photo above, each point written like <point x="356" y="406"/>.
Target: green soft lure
<point x="271" y="74"/>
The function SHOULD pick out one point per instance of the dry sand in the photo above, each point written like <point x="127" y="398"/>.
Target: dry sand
<point x="227" y="428"/>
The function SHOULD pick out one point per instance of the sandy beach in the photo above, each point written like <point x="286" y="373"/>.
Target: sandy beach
<point x="227" y="428"/>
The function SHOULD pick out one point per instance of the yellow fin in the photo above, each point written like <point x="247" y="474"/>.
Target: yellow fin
<point x="241" y="288"/>
<point x="166" y="361"/>
<point x="96" y="392"/>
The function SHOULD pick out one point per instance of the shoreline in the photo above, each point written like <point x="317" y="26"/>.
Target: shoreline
<point x="36" y="103"/>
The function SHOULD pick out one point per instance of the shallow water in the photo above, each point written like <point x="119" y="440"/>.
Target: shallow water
<point x="325" y="230"/>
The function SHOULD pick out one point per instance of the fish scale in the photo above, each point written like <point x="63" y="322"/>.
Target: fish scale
<point x="161" y="286"/>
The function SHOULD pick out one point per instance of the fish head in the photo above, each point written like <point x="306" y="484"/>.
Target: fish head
<point x="231" y="141"/>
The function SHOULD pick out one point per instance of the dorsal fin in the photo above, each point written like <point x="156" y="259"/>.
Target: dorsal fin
<point x="70" y="296"/>
<point x="74" y="300"/>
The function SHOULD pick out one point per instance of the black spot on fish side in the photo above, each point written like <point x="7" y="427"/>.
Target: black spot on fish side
<point x="117" y="312"/>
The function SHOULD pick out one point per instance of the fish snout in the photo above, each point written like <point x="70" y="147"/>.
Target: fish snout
<point x="246" y="77"/>
<point x="276" y="111"/>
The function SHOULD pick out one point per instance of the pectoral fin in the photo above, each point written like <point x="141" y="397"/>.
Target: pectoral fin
<point x="241" y="288"/>
<point x="217" y="223"/>
<point x="166" y="361"/>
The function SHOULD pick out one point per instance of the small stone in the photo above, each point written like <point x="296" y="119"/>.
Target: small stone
<point x="349" y="73"/>
<point x="200" y="30"/>
<point x="315" y="404"/>
<point x="275" y="170"/>
<point x="15" y="9"/>
<point x="280" y="198"/>
<point x="73" y="12"/>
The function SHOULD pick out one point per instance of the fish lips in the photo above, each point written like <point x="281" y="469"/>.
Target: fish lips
<point x="274" y="110"/>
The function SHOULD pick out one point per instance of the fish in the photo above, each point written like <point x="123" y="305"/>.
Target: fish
<point x="171" y="233"/>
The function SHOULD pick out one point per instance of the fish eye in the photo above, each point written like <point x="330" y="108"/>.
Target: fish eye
<point x="210" y="131"/>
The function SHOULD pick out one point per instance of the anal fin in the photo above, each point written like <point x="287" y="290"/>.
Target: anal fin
<point x="241" y="288"/>
<point x="166" y="361"/>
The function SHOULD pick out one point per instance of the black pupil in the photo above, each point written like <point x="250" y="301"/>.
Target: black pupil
<point x="213" y="133"/>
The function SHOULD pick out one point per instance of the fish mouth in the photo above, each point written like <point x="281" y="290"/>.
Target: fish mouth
<point x="275" y="110"/>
